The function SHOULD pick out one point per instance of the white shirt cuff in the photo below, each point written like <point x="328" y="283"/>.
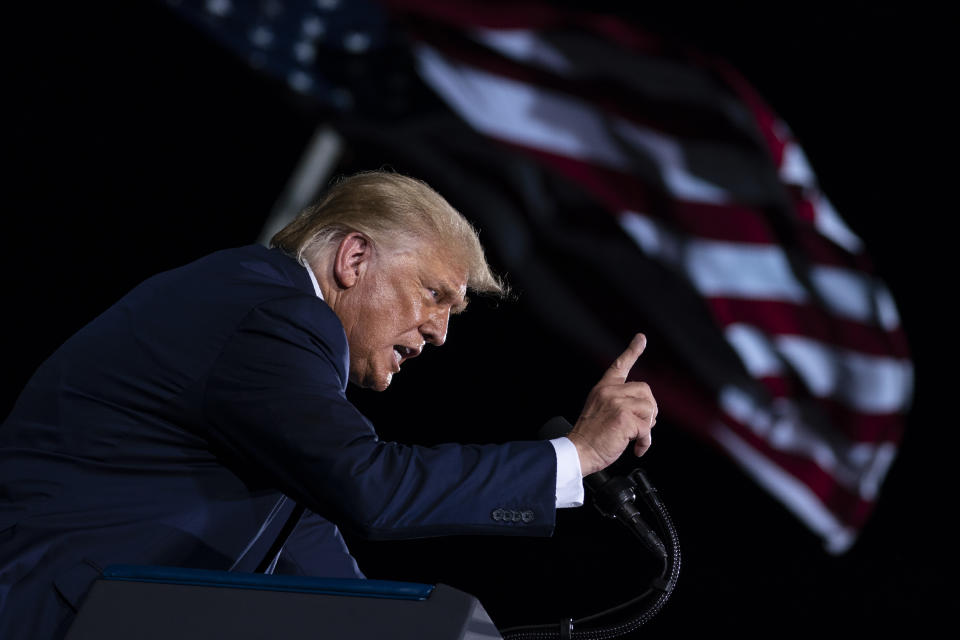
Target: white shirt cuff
<point x="569" y="480"/>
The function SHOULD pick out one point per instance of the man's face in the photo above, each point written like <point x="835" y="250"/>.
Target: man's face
<point x="400" y="302"/>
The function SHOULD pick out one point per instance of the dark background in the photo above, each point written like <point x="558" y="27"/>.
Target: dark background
<point x="137" y="145"/>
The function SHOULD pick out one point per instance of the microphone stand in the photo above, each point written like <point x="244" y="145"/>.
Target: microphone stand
<point x="615" y="497"/>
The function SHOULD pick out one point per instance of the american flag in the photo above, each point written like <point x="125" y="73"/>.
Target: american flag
<point x="706" y="223"/>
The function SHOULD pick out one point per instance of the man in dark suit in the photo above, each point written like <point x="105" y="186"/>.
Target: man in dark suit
<point x="183" y="425"/>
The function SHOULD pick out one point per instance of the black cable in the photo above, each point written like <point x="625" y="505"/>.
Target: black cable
<point x="660" y="588"/>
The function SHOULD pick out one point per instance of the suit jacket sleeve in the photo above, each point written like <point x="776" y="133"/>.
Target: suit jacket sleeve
<point x="275" y="400"/>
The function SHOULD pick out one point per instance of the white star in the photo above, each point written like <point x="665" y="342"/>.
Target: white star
<point x="261" y="36"/>
<point x="313" y="27"/>
<point x="300" y="81"/>
<point x="304" y="52"/>
<point x="356" y="42"/>
<point x="219" y="7"/>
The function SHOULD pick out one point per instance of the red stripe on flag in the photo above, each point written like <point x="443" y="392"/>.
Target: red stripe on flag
<point x="621" y="191"/>
<point x="684" y="402"/>
<point x="465" y="14"/>
<point x="854" y="425"/>
<point x="787" y="318"/>
<point x="510" y="14"/>
<point x="771" y="127"/>
<point x="863" y="427"/>
<point x="603" y="93"/>
<point x="848" y="506"/>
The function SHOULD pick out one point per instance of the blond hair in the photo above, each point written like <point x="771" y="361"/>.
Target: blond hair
<point x="395" y="212"/>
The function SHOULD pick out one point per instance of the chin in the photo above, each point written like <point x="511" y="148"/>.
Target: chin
<point x="372" y="378"/>
<point x="377" y="381"/>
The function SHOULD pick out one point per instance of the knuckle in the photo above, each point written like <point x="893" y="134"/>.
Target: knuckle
<point x="607" y="393"/>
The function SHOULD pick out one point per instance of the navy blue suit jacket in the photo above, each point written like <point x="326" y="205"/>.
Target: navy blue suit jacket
<point x="180" y="426"/>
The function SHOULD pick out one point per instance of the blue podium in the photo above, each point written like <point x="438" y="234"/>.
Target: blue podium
<point x="167" y="603"/>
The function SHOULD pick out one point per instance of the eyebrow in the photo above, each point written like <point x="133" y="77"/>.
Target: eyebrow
<point x="447" y="293"/>
<point x="460" y="308"/>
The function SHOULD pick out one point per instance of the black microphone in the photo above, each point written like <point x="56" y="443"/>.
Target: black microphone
<point x="614" y="497"/>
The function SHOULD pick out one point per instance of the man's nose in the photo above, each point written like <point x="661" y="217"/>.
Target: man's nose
<point x="434" y="330"/>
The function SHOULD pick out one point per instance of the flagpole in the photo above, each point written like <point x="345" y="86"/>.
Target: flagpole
<point x="315" y="166"/>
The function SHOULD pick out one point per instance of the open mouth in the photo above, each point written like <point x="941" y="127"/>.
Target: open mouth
<point x="401" y="353"/>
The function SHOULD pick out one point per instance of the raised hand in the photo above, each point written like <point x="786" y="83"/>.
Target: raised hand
<point x="616" y="412"/>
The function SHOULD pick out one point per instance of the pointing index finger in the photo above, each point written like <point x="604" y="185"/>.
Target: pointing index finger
<point x="620" y="369"/>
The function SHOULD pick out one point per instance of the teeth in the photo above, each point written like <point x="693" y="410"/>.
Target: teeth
<point x="401" y="352"/>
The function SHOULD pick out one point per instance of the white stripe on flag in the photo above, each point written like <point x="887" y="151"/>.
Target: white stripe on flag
<point x="526" y="115"/>
<point x="872" y="384"/>
<point x="652" y="238"/>
<point x="829" y="223"/>
<point x="792" y="492"/>
<point x="542" y="119"/>
<point x="738" y="270"/>
<point x="857" y="466"/>
<point x="794" y="167"/>
<point x="719" y="269"/>
<point x="852" y="295"/>
<point x="755" y="350"/>
<point x="886" y="307"/>
<point x="524" y="46"/>
<point x="754" y="271"/>
<point x="866" y="383"/>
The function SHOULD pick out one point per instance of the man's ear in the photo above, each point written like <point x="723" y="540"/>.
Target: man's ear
<point x="352" y="258"/>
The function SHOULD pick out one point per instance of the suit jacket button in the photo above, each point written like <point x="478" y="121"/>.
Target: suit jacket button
<point x="527" y="516"/>
<point x="497" y="515"/>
